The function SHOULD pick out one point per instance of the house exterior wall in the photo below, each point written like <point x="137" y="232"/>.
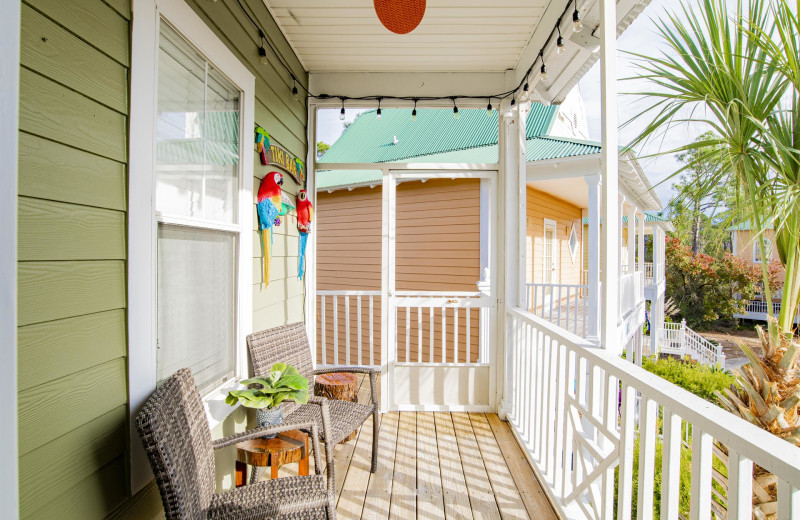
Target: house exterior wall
<point x="437" y="249"/>
<point x="72" y="286"/>
<point x="745" y="240"/>
<point x="544" y="206"/>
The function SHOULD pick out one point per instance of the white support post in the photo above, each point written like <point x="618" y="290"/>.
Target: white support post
<point x="609" y="165"/>
<point x="641" y="217"/>
<point x="513" y="169"/>
<point x="593" y="317"/>
<point x="632" y="239"/>
<point x="9" y="132"/>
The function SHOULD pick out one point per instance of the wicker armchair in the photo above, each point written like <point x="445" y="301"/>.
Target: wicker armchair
<point x="177" y="439"/>
<point x="289" y="344"/>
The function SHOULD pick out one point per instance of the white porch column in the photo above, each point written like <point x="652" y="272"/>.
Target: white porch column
<point x="632" y="212"/>
<point x="641" y="217"/>
<point x="609" y="166"/>
<point x="593" y="282"/>
<point x="621" y="225"/>
<point x="512" y="197"/>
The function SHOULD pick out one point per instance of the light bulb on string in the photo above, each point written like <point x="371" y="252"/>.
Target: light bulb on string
<point x="455" y="109"/>
<point x="341" y="113"/>
<point x="560" y="41"/>
<point x="543" y="70"/>
<point x="378" y="113"/>
<point x="576" y="20"/>
<point x="414" y="112"/>
<point x="513" y="103"/>
<point x="489" y="108"/>
<point x="262" y="55"/>
<point x="295" y="92"/>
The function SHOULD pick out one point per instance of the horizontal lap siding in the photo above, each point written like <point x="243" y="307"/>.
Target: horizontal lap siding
<point x="72" y="251"/>
<point x="544" y="206"/>
<point x="437" y="249"/>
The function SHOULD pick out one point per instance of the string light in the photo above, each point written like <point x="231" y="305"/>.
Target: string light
<point x="543" y="68"/>
<point x="513" y="103"/>
<point x="576" y="19"/>
<point x="378" y="114"/>
<point x="341" y="114"/>
<point x="489" y="108"/>
<point x="513" y="93"/>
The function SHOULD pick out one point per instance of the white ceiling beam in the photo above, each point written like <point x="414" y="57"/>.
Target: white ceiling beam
<point x="405" y="84"/>
<point x="563" y="168"/>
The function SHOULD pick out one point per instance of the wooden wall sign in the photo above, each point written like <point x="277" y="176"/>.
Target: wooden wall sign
<point x="288" y="163"/>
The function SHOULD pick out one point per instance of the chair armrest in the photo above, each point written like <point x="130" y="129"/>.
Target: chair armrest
<point x="355" y="370"/>
<point x="262" y="432"/>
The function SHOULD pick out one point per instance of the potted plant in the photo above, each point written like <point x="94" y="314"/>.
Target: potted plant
<point x="266" y="394"/>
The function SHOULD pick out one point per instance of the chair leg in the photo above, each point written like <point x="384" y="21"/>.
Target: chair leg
<point x="375" y="430"/>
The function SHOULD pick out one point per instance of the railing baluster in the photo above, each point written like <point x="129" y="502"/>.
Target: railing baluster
<point x="358" y="300"/>
<point x="455" y="335"/>
<point x="419" y="334"/>
<point x="324" y="331"/>
<point x="740" y="486"/>
<point x="700" y="508"/>
<point x="371" y="331"/>
<point x="336" y="330"/>
<point x="671" y="466"/>
<point x="648" y="412"/>
<point x="347" y="329"/>
<point x="627" y="435"/>
<point x="788" y="501"/>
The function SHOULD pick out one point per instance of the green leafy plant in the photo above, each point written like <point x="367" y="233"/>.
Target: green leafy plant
<point x="701" y="380"/>
<point x="283" y="382"/>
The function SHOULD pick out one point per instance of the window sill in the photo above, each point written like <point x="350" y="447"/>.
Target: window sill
<point x="217" y="410"/>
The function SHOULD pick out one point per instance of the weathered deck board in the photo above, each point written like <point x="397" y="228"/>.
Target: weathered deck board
<point x="435" y="466"/>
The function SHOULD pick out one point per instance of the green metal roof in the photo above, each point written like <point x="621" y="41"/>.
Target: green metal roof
<point x="436" y="131"/>
<point x="649" y="216"/>
<point x="537" y="149"/>
<point x="745" y="226"/>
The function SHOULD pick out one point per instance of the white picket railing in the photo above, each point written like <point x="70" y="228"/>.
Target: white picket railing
<point x="430" y="327"/>
<point x="578" y="412"/>
<point x="564" y="305"/>
<point x="440" y="327"/>
<point x="679" y="339"/>
<point x="648" y="273"/>
<point x="360" y="329"/>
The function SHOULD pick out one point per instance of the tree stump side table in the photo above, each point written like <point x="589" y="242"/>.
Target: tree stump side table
<point x="286" y="447"/>
<point x="341" y="386"/>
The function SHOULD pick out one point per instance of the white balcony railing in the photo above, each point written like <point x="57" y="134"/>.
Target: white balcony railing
<point x="648" y="273"/>
<point x="678" y="339"/>
<point x="578" y="412"/>
<point x="631" y="291"/>
<point x="430" y="327"/>
<point x="564" y="305"/>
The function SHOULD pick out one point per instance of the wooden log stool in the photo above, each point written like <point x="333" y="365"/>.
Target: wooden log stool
<point x="286" y="447"/>
<point x="341" y="386"/>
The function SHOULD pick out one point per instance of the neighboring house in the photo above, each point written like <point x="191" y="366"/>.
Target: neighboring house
<point x="557" y="222"/>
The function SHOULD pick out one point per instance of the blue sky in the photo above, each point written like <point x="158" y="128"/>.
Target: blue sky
<point x="642" y="38"/>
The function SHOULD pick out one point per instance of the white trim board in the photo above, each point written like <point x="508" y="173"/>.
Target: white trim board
<point x="9" y="132"/>
<point x="141" y="213"/>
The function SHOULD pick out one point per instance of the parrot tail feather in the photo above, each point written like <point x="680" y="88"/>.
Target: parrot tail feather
<point x="301" y="267"/>
<point x="266" y="248"/>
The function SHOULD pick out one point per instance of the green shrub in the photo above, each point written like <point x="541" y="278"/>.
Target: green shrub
<point x="700" y="380"/>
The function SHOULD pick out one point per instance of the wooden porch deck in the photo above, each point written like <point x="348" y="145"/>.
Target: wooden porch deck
<point x="434" y="466"/>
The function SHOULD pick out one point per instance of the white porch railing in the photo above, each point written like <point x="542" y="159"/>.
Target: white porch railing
<point x="631" y="291"/>
<point x="564" y="305"/>
<point x="678" y="339"/>
<point x="430" y="327"/>
<point x="648" y="273"/>
<point x="578" y="413"/>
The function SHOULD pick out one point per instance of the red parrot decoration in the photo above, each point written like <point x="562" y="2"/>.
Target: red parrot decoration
<point x="305" y="214"/>
<point x="268" y="206"/>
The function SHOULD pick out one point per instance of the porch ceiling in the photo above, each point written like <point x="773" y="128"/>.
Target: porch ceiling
<point x="455" y="36"/>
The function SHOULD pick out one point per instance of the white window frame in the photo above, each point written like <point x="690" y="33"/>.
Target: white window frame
<point x="572" y="253"/>
<point x="142" y="226"/>
<point x="757" y="247"/>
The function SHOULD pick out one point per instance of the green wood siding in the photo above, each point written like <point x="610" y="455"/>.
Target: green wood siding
<point x="73" y="153"/>
<point x="72" y="250"/>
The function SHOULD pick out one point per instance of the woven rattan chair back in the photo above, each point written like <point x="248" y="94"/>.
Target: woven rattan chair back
<point x="177" y="439"/>
<point x="284" y="344"/>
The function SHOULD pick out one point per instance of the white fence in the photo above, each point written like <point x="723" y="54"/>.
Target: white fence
<point x="678" y="339"/>
<point x="564" y="305"/>
<point x="579" y="412"/>
<point x="648" y="273"/>
<point x="430" y="327"/>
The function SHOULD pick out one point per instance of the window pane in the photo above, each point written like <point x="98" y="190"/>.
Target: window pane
<point x="196" y="302"/>
<point x="197" y="135"/>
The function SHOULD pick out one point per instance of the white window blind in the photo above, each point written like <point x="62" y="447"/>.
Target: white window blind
<point x="197" y="171"/>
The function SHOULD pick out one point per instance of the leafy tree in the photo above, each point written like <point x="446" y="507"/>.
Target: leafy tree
<point x="322" y="147"/>
<point x="705" y="289"/>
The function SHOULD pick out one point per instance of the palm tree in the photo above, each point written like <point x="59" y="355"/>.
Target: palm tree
<point x="739" y="76"/>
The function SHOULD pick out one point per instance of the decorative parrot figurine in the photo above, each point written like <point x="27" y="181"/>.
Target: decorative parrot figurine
<point x="268" y="207"/>
<point x="262" y="143"/>
<point x="305" y="214"/>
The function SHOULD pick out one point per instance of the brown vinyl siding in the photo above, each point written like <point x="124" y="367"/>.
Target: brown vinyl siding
<point x="437" y="249"/>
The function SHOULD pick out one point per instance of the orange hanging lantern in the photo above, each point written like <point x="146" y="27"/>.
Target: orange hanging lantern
<point x="400" y="16"/>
